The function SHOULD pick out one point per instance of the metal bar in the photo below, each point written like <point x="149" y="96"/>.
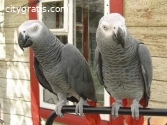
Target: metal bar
<point x="51" y="118"/>
<point x="107" y="110"/>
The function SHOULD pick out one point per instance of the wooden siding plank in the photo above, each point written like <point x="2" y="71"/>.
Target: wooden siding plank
<point x="10" y="119"/>
<point x="156" y="104"/>
<point x="14" y="19"/>
<point x="15" y="89"/>
<point x="12" y="52"/>
<point x="16" y="107"/>
<point x="16" y="3"/>
<point x="9" y="35"/>
<point x="154" y="37"/>
<point x="159" y="68"/>
<point x="14" y="70"/>
<point x="158" y="91"/>
<point x="145" y="12"/>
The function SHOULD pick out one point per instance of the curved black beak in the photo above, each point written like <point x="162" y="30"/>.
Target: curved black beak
<point x="120" y="37"/>
<point x="24" y="41"/>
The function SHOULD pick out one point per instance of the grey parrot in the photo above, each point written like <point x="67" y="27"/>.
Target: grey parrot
<point x="123" y="64"/>
<point x="60" y="68"/>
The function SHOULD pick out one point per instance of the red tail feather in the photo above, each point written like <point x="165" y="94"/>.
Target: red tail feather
<point x="93" y="119"/>
<point x="128" y="118"/>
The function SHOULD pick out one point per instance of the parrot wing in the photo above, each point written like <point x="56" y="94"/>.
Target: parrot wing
<point x="42" y="80"/>
<point x="77" y="72"/>
<point x="98" y="64"/>
<point x="146" y="67"/>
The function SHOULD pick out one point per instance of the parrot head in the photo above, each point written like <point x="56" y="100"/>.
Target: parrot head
<point x="31" y="33"/>
<point x="111" y="29"/>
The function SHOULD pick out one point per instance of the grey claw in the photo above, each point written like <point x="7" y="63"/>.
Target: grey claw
<point x="115" y="108"/>
<point x="135" y="109"/>
<point x="59" y="107"/>
<point x="79" y="107"/>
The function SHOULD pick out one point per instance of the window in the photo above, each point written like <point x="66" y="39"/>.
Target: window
<point x="54" y="14"/>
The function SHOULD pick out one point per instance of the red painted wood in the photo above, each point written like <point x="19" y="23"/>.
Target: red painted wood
<point x="116" y="6"/>
<point x="34" y="88"/>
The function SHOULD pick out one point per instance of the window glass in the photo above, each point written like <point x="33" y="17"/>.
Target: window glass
<point x="63" y="39"/>
<point x="53" y="14"/>
<point x="79" y="39"/>
<point x="88" y="14"/>
<point x="49" y="97"/>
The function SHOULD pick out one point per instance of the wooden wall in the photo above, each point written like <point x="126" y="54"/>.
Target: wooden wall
<point x="14" y="68"/>
<point x="147" y="21"/>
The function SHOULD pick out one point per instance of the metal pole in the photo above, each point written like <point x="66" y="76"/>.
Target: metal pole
<point x="107" y="110"/>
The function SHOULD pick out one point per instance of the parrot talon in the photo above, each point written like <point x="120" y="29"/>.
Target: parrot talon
<point x="115" y="107"/>
<point x="79" y="107"/>
<point x="59" y="107"/>
<point x="135" y="109"/>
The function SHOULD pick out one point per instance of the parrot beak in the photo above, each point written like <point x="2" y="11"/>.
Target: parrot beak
<point x="24" y="41"/>
<point x="121" y="37"/>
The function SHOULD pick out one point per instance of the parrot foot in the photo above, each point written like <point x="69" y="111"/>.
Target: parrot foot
<point x="59" y="107"/>
<point x="79" y="107"/>
<point x="135" y="109"/>
<point x="115" y="107"/>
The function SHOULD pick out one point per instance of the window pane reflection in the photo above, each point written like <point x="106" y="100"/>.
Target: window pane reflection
<point x="88" y="14"/>
<point x="63" y="39"/>
<point x="53" y="14"/>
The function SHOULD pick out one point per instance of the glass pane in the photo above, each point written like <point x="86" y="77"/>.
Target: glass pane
<point x="96" y="11"/>
<point x="87" y="15"/>
<point x="79" y="38"/>
<point x="53" y="14"/>
<point x="63" y="39"/>
<point x="49" y="97"/>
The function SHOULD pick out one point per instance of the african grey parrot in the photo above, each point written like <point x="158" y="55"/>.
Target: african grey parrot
<point x="59" y="68"/>
<point x="123" y="63"/>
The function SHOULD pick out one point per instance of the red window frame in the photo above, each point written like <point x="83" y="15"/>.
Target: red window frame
<point x="36" y="111"/>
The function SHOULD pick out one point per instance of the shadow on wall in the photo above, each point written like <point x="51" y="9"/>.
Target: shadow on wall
<point x="14" y="70"/>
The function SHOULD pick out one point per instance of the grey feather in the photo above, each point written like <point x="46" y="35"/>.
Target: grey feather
<point x="77" y="72"/>
<point x="42" y="80"/>
<point x="40" y="76"/>
<point x="146" y="66"/>
<point x="98" y="64"/>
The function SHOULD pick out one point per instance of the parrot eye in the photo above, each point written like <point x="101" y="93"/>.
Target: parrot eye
<point x="104" y="27"/>
<point x="36" y="27"/>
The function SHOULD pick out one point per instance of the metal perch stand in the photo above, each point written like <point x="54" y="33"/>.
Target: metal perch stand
<point x="107" y="110"/>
